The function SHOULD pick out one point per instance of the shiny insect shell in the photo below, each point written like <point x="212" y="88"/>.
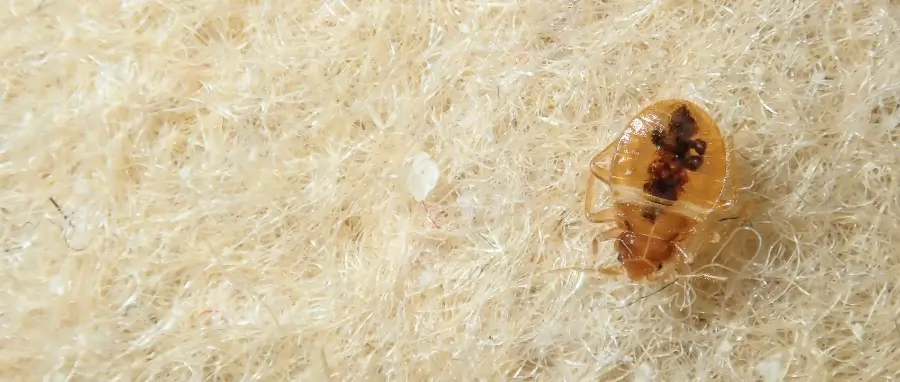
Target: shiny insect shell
<point x="669" y="171"/>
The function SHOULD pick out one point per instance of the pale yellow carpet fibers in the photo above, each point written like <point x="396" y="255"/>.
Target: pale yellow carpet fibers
<point x="237" y="186"/>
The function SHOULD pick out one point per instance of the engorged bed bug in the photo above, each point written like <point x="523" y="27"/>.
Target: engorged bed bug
<point x="670" y="171"/>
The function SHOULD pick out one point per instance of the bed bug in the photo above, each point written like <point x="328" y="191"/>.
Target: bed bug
<point x="669" y="172"/>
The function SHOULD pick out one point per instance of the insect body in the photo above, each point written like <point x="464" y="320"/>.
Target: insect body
<point x="669" y="170"/>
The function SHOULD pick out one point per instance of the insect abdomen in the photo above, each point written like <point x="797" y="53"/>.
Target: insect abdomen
<point x="674" y="155"/>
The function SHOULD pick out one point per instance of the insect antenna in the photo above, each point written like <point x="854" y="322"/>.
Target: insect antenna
<point x="648" y="294"/>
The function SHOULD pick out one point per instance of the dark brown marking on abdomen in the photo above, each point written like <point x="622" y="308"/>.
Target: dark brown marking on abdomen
<point x="650" y="213"/>
<point x="669" y="172"/>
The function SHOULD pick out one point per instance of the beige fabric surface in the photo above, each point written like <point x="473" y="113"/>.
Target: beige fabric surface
<point x="382" y="190"/>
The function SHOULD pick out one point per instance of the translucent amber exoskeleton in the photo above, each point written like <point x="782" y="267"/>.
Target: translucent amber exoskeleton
<point x="668" y="171"/>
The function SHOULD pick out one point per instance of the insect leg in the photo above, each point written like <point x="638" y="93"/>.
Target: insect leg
<point x="740" y="213"/>
<point x="684" y="257"/>
<point x="596" y="168"/>
<point x="606" y="215"/>
<point x="604" y="271"/>
<point x="603" y="216"/>
<point x="610" y="271"/>
<point x="730" y="207"/>
<point x="653" y="277"/>
<point x="611" y="233"/>
<point x="598" y="171"/>
<point x="604" y="175"/>
<point x="606" y="150"/>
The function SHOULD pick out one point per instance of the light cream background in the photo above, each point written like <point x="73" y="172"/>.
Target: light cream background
<point x="235" y="201"/>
